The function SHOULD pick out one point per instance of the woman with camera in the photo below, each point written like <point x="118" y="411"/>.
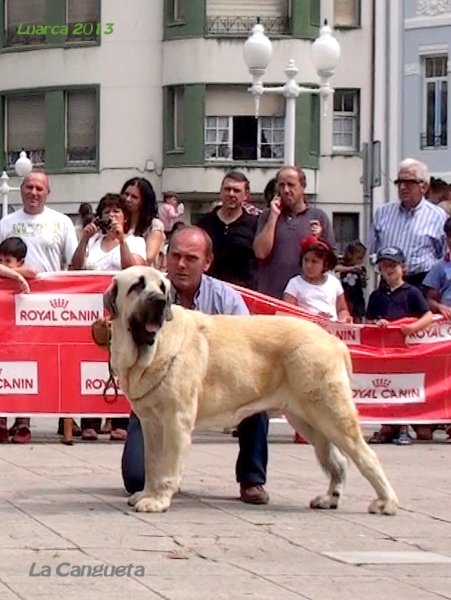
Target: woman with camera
<point x="106" y="244"/>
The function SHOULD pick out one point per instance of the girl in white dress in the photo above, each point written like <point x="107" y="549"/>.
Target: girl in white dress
<point x="316" y="289"/>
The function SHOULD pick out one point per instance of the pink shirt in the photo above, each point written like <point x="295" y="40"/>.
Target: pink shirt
<point x="170" y="215"/>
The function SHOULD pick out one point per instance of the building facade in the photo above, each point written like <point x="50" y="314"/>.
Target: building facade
<point x="97" y="92"/>
<point x="426" y="67"/>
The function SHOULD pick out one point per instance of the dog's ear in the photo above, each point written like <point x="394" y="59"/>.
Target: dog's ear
<point x="168" y="314"/>
<point x="109" y="299"/>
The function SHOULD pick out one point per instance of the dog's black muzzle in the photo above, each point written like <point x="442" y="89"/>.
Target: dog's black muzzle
<point x="148" y="318"/>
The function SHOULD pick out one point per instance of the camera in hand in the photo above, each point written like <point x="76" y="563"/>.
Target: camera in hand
<point x="104" y="225"/>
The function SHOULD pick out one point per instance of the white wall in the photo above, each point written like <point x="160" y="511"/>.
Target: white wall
<point x="128" y="68"/>
<point x="339" y="188"/>
<point x="221" y="61"/>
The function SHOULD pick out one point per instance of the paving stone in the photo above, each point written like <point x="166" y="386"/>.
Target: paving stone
<point x="61" y="503"/>
<point x="388" y="558"/>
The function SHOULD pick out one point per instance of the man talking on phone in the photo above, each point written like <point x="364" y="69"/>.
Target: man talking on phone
<point x="281" y="228"/>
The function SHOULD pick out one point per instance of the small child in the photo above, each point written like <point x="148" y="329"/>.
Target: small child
<point x="353" y="279"/>
<point x="394" y="299"/>
<point x="170" y="211"/>
<point x="12" y="257"/>
<point x="316" y="289"/>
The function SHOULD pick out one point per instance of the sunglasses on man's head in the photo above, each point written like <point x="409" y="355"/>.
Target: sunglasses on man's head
<point x="407" y="181"/>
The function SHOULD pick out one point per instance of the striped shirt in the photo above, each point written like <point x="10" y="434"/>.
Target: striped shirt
<point x="417" y="232"/>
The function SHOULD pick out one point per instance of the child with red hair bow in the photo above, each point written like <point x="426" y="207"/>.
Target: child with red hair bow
<point x="316" y="289"/>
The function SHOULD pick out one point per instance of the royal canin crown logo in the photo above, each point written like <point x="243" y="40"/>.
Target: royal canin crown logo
<point x="59" y="303"/>
<point x="381" y="383"/>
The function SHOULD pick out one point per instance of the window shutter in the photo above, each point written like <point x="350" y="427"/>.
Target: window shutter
<point x="25" y="123"/>
<point x="81" y="126"/>
<point x="346" y="13"/>
<point x="251" y="8"/>
<point x="82" y="11"/>
<point x="28" y="12"/>
<point x="238" y="102"/>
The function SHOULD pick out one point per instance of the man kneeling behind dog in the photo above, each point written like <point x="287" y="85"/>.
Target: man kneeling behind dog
<point x="181" y="369"/>
<point x="190" y="255"/>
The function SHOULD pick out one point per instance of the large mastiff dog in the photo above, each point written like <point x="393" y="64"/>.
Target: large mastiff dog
<point x="181" y="369"/>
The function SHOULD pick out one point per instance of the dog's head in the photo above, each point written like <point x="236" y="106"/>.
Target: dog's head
<point x="140" y="299"/>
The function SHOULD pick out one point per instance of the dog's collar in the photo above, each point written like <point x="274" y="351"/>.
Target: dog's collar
<point x="156" y="385"/>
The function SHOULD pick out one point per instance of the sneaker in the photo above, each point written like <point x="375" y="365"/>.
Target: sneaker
<point x="19" y="423"/>
<point x="89" y="435"/>
<point x="384" y="436"/>
<point x="254" y="494"/>
<point x="403" y="440"/>
<point x="22" y="435"/>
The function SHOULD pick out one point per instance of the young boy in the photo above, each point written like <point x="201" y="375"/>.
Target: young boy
<point x="395" y="299"/>
<point x="12" y="256"/>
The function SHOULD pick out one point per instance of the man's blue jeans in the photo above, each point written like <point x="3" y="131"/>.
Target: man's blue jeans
<point x="250" y="466"/>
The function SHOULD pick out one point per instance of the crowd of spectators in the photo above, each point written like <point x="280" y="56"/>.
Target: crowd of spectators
<point x="287" y="251"/>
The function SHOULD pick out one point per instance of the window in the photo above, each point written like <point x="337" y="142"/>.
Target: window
<point x="27" y="22"/>
<point x="25" y="128"/>
<point x="81" y="111"/>
<point x="244" y="138"/>
<point x="57" y="127"/>
<point x="435" y="131"/>
<point x="346" y="229"/>
<point x="217" y="138"/>
<point x="179" y="10"/>
<point x="346" y="13"/>
<point x="84" y="12"/>
<point x="21" y="16"/>
<point x="346" y="121"/>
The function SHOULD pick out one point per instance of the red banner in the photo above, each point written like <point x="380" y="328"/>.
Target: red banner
<point x="50" y="366"/>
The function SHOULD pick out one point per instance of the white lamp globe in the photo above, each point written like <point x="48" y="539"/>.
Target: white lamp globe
<point x="23" y="165"/>
<point x="325" y="51"/>
<point x="257" y="49"/>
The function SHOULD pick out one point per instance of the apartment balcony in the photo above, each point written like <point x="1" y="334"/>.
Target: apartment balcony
<point x="228" y="26"/>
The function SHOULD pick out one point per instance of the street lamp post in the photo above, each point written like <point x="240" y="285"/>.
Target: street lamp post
<point x="325" y="54"/>
<point x="22" y="167"/>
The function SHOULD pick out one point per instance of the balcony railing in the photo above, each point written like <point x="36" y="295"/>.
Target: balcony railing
<point x="13" y="38"/>
<point x="432" y="140"/>
<point x="241" y="26"/>
<point x="37" y="158"/>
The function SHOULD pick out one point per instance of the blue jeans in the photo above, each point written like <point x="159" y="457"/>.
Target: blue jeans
<point x="250" y="466"/>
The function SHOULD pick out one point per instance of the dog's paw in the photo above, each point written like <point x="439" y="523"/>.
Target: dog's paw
<point x="135" y="497"/>
<point x="152" y="505"/>
<point x="383" y="507"/>
<point x="326" y="501"/>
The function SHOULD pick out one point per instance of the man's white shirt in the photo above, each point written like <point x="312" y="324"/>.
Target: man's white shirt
<point x="50" y="237"/>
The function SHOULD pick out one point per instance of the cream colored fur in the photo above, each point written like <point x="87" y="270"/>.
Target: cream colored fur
<point x="217" y="370"/>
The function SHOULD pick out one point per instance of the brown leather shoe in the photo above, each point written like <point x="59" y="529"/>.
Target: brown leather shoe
<point x="254" y="494"/>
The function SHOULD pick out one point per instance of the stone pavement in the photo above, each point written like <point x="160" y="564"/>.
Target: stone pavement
<point x="62" y="504"/>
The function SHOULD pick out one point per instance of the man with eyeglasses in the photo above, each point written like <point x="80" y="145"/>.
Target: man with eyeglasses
<point x="413" y="224"/>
